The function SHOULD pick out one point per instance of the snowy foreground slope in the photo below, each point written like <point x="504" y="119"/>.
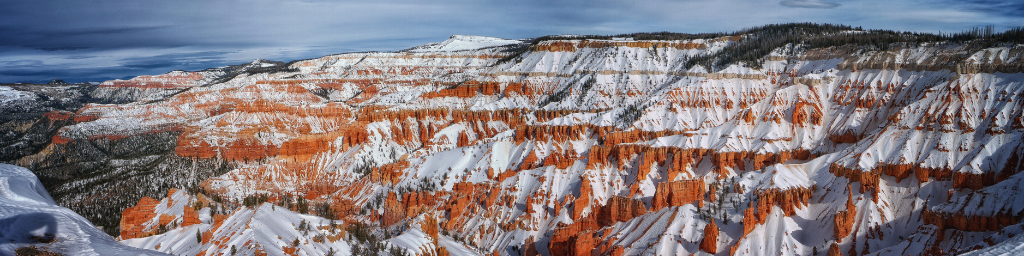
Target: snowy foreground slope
<point x="565" y="146"/>
<point x="29" y="218"/>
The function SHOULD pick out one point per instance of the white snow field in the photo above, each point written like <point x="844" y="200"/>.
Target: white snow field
<point x="29" y="217"/>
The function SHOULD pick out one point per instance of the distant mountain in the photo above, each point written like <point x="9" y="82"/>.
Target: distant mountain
<point x="787" y="139"/>
<point x="463" y="43"/>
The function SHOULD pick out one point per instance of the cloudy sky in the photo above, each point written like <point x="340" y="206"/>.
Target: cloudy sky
<point x="87" y="40"/>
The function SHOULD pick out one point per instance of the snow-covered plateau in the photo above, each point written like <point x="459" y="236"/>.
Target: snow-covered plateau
<point x="643" y="144"/>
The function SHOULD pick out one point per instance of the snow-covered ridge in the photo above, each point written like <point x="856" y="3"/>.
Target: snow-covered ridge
<point x="585" y="140"/>
<point x="29" y="217"/>
<point x="9" y="95"/>
<point x="462" y="43"/>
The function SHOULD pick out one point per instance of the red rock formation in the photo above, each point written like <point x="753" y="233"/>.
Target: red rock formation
<point x="833" y="250"/>
<point x="343" y="208"/>
<point x="577" y="239"/>
<point x="583" y="201"/>
<point x="389" y="173"/>
<point x="805" y="113"/>
<point x="555" y="46"/>
<point x="190" y="217"/>
<point x="416" y="203"/>
<point x="57" y="139"/>
<point x="518" y="88"/>
<point x="843" y="221"/>
<point x="194" y="148"/>
<point x="710" y="242"/>
<point x="762" y="160"/>
<point x="789" y="199"/>
<point x="561" y="160"/>
<point x="133" y="218"/>
<point x="972" y="223"/>
<point x="393" y="211"/>
<point x="248" y="150"/>
<point x="749" y="220"/>
<point x="459" y="92"/>
<point x="58" y="115"/>
<point x="677" y="193"/>
<point x="529" y="248"/>
<point x="429" y="226"/>
<point x="465" y="200"/>
<point x="847" y="137"/>
<point x="614" y="138"/>
<point x="651" y="158"/>
<point x="619" y="209"/>
<point x="218" y="220"/>
<point x="730" y="159"/>
<point x="550" y="133"/>
<point x="869" y="179"/>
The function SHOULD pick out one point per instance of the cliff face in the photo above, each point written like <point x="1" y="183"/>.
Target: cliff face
<point x="574" y="146"/>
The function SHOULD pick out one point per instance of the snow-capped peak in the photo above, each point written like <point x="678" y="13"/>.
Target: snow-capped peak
<point x="462" y="43"/>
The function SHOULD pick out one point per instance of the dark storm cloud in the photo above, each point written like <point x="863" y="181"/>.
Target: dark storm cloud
<point x="51" y="49"/>
<point x="809" y="4"/>
<point x="1007" y="8"/>
<point x="184" y="60"/>
<point x="80" y="40"/>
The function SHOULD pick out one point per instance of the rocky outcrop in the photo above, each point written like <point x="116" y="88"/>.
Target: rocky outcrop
<point x="833" y="250"/>
<point x="678" y="193"/>
<point x="551" y="133"/>
<point x="788" y="199"/>
<point x="843" y="221"/>
<point x="575" y="239"/>
<point x="133" y="218"/>
<point x="709" y="243"/>
<point x="972" y="223"/>
<point x="388" y="173"/>
<point x="751" y="219"/>
<point x="583" y="201"/>
<point x="618" y="209"/>
<point x="393" y="211"/>
<point x="416" y="203"/>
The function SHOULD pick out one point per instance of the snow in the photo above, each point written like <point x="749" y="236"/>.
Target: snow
<point x="9" y="95"/>
<point x="1014" y="246"/>
<point x="29" y="217"/>
<point x="1004" y="197"/>
<point x="266" y="228"/>
<point x="462" y="43"/>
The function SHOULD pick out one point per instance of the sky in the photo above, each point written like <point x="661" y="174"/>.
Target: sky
<point x="89" y="40"/>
